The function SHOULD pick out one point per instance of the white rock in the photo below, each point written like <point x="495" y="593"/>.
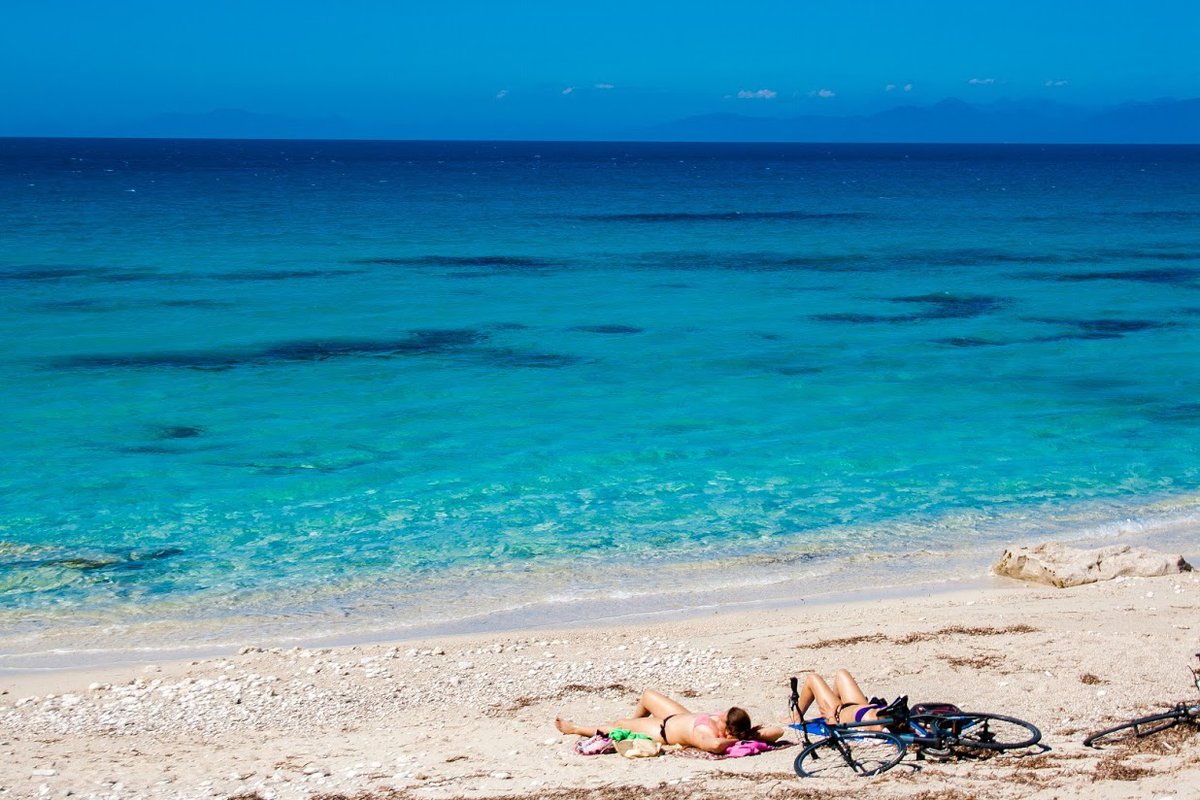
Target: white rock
<point x="1062" y="566"/>
<point x="43" y="773"/>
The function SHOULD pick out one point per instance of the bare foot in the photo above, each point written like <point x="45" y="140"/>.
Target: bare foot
<point x="565" y="726"/>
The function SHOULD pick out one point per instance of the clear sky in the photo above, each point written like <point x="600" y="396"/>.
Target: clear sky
<point x="430" y="68"/>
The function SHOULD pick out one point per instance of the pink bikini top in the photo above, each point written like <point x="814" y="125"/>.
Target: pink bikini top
<point x="705" y="721"/>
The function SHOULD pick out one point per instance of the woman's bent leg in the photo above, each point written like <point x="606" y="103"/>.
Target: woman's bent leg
<point x="815" y="688"/>
<point x="847" y="688"/>
<point x="656" y="704"/>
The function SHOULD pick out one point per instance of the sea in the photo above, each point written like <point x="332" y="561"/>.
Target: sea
<point x="289" y="392"/>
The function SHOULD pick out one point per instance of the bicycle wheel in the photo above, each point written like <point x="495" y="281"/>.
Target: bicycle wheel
<point x="982" y="731"/>
<point x="1134" y="729"/>
<point x="860" y="753"/>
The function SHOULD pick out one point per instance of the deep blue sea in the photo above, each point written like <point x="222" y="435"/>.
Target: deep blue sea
<point x="295" y="389"/>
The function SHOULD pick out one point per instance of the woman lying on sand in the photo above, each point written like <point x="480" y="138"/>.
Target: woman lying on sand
<point x="668" y="722"/>
<point x="845" y="702"/>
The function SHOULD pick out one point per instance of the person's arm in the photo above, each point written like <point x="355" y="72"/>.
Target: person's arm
<point x="710" y="742"/>
<point x="769" y="733"/>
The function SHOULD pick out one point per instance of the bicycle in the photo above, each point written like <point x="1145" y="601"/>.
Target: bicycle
<point x="1181" y="714"/>
<point x="938" y="729"/>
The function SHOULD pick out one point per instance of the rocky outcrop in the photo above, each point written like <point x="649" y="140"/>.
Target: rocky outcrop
<point x="1062" y="566"/>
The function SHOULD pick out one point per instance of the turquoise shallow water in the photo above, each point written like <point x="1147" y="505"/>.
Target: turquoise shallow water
<point x="322" y="387"/>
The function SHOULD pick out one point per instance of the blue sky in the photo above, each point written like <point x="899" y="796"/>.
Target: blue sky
<point x="467" y="68"/>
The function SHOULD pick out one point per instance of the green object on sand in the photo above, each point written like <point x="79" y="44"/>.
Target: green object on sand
<point x="620" y="734"/>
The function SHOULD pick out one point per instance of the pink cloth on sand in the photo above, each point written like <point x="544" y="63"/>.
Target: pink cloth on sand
<point x="748" y="747"/>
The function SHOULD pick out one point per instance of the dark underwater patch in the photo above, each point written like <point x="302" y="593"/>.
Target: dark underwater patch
<point x="52" y="274"/>
<point x="859" y="318"/>
<point x="1178" y="215"/>
<point x="195" y="303"/>
<point x="969" y="341"/>
<point x="515" y="358"/>
<point x="969" y="257"/>
<point x="179" y="431"/>
<point x="110" y="561"/>
<point x="751" y="262"/>
<point x="260" y="275"/>
<point x="943" y="305"/>
<point x="1187" y="413"/>
<point x="1165" y="275"/>
<point x="723" y="216"/>
<point x="418" y="342"/>
<point x="1117" y="325"/>
<point x="938" y="305"/>
<point x="505" y="262"/>
<point x="1086" y="329"/>
<point x="607" y="329"/>
<point x="74" y="305"/>
<point x="192" y="360"/>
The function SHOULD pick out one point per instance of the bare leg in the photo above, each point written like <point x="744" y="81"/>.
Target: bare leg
<point x="847" y="688"/>
<point x="656" y="704"/>
<point x="815" y="688"/>
<point x="566" y="726"/>
<point x="646" y="725"/>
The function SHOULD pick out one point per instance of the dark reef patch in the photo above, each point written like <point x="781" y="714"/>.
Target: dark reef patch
<point x="515" y="358"/>
<point x="1166" y="275"/>
<point x="491" y="262"/>
<point x="943" y="305"/>
<point x="74" y="305"/>
<point x="1094" y="328"/>
<point x="200" y="303"/>
<point x="179" y="431"/>
<point x="1186" y="413"/>
<point x="938" y="305"/>
<point x="723" y="216"/>
<point x="110" y="561"/>
<point x="418" y="342"/>
<point x="185" y="359"/>
<point x="1179" y="215"/>
<point x="258" y="275"/>
<point x="860" y="318"/>
<point x="969" y="341"/>
<point x="49" y="274"/>
<point x="609" y="329"/>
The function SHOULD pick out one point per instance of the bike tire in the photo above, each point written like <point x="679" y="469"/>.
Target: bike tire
<point x="850" y="754"/>
<point x="1133" y="729"/>
<point x="980" y="731"/>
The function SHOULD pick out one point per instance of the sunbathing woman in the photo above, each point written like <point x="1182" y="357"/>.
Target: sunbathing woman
<point x="668" y="722"/>
<point x="845" y="702"/>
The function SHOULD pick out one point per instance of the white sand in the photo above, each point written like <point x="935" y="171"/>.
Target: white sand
<point x="473" y="716"/>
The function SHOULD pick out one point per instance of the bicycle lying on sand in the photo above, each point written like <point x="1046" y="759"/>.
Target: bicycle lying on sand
<point x="1181" y="714"/>
<point x="936" y="729"/>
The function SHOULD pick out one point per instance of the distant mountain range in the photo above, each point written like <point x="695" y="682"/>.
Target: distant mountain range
<point x="952" y="120"/>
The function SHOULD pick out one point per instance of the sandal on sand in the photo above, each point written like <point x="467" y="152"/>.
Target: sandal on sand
<point x="595" y="746"/>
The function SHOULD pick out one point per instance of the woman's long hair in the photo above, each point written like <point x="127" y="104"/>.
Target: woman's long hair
<point x="737" y="722"/>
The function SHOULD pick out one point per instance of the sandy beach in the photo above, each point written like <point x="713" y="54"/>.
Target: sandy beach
<point x="473" y="716"/>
